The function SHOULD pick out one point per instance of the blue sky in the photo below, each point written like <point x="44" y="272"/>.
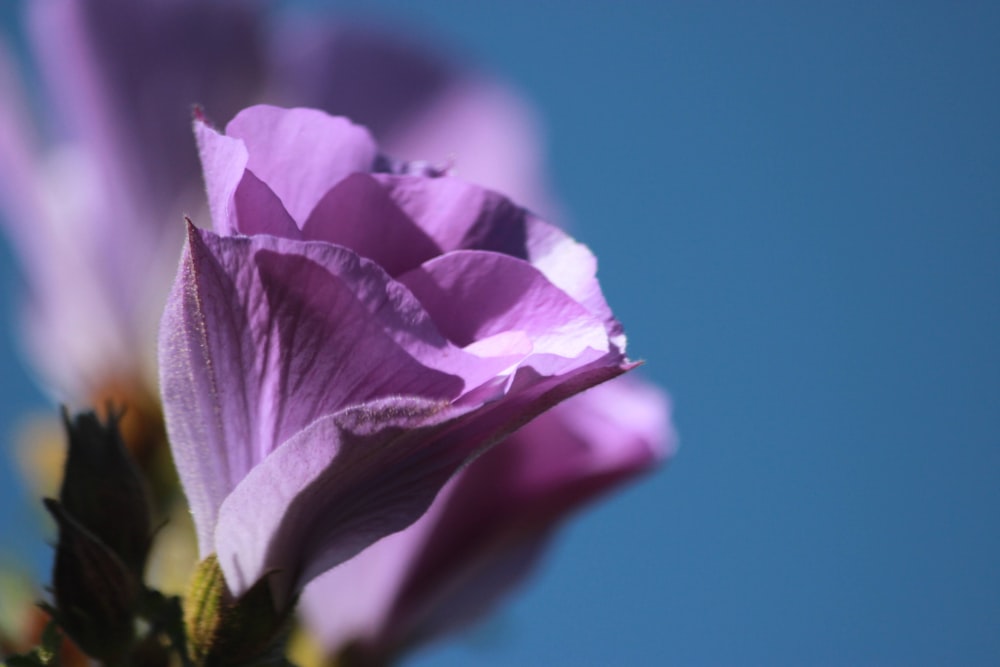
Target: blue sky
<point x="797" y="214"/>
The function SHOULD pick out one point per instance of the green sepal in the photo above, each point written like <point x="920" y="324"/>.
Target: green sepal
<point x="224" y="631"/>
<point x="202" y="607"/>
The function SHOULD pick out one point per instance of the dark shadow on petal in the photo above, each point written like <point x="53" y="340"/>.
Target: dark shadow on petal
<point x="326" y="349"/>
<point x="359" y="214"/>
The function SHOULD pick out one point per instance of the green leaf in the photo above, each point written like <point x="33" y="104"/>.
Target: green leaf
<point x="25" y="660"/>
<point x="48" y="652"/>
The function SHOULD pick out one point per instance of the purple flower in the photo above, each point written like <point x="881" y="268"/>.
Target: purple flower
<point x="487" y="528"/>
<point x="346" y="340"/>
<point x="92" y="197"/>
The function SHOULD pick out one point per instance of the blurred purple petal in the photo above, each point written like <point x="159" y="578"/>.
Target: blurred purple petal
<point x="489" y="134"/>
<point x="130" y="73"/>
<point x="381" y="78"/>
<point x="17" y="151"/>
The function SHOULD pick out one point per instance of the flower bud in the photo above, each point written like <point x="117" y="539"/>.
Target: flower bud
<point x="103" y="491"/>
<point x="95" y="593"/>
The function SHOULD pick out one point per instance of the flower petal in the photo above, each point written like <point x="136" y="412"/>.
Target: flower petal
<point x="359" y="214"/>
<point x="333" y="489"/>
<point x="473" y="295"/>
<point x="259" y="211"/>
<point x="301" y="153"/>
<point x="223" y="163"/>
<point x="459" y="215"/>
<point x="486" y="529"/>
<point x="239" y="202"/>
